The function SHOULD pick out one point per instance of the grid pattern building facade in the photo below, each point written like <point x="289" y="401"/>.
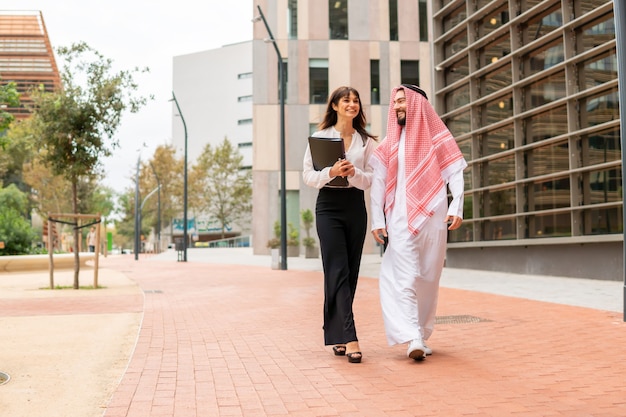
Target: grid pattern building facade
<point x="26" y="56"/>
<point x="530" y="90"/>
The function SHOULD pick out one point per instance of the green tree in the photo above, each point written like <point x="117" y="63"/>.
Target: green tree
<point x="225" y="189"/>
<point x="9" y="97"/>
<point x="76" y="124"/>
<point x="15" y="231"/>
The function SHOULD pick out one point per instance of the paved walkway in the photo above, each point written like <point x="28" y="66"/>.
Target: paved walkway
<point x="225" y="335"/>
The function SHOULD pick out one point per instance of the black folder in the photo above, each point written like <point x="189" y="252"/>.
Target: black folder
<point x="325" y="152"/>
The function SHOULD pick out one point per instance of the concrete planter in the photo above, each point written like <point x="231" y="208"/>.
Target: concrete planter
<point x="311" y="252"/>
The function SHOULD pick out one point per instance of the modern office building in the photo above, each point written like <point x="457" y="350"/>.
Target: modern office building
<point x="214" y="91"/>
<point x="372" y="45"/>
<point x="530" y="90"/>
<point x="26" y="56"/>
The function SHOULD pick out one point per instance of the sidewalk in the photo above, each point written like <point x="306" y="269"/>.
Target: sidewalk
<point x="225" y="335"/>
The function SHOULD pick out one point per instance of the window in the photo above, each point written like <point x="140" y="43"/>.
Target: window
<point x="423" y="18"/>
<point x="292" y="19"/>
<point x="393" y="20"/>
<point x="338" y="19"/>
<point x="244" y="75"/>
<point x="244" y="98"/>
<point x="318" y="81"/>
<point x="244" y="122"/>
<point x="410" y="72"/>
<point x="375" y="80"/>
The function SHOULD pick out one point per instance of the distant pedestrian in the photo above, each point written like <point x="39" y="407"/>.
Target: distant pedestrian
<point x="91" y="239"/>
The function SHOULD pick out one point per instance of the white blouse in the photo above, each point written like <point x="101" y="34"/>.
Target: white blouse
<point x="358" y="154"/>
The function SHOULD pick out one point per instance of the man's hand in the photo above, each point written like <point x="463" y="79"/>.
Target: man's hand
<point x="379" y="234"/>
<point x="454" y="221"/>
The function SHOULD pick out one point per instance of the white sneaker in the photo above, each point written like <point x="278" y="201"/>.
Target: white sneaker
<point x="427" y="350"/>
<point x="416" y="350"/>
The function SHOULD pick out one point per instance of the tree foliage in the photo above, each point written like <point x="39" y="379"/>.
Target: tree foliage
<point x="225" y="190"/>
<point x="75" y="125"/>
<point x="15" y="230"/>
<point x="9" y="97"/>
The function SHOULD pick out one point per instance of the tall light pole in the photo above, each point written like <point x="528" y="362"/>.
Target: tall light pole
<point x="283" y="188"/>
<point x="158" y="208"/>
<point x="137" y="221"/>
<point x="184" y="182"/>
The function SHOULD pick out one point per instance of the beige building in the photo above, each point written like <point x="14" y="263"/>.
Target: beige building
<point x="371" y="45"/>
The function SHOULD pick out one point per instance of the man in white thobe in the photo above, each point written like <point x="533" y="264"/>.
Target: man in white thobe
<point x="409" y="206"/>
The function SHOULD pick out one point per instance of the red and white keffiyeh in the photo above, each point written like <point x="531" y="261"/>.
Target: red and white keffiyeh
<point x="431" y="156"/>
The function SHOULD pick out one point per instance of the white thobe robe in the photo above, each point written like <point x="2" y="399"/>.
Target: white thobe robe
<point x="412" y="264"/>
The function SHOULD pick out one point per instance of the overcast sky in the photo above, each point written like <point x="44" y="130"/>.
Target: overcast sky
<point x="143" y="33"/>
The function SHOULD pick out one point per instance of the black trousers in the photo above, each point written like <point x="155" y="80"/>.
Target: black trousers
<point x="341" y="221"/>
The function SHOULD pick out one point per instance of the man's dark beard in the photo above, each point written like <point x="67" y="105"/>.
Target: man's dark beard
<point x="402" y="121"/>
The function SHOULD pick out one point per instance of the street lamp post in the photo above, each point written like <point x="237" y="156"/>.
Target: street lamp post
<point x="158" y="208"/>
<point x="184" y="182"/>
<point x="283" y="188"/>
<point x="137" y="221"/>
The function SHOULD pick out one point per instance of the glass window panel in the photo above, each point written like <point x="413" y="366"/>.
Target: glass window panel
<point x="292" y="19"/>
<point x="547" y="159"/>
<point x="492" y="52"/>
<point x="603" y="186"/>
<point x="410" y="72"/>
<point x="586" y="6"/>
<point x="338" y="19"/>
<point x="454" y="18"/>
<point x="495" y="80"/>
<point x="549" y="225"/>
<point x="541" y="59"/>
<point x="529" y="4"/>
<point x="457" y="98"/>
<point x="423" y="16"/>
<point x="466" y="148"/>
<point x="496" y="141"/>
<point x="545" y="125"/>
<point x="455" y="44"/>
<point x="602" y="221"/>
<point x="499" y="229"/>
<point x="318" y="81"/>
<point x="543" y="24"/>
<point x="546" y="195"/>
<point x="456" y="71"/>
<point x="544" y="91"/>
<point x="375" y="80"/>
<point x="595" y="34"/>
<point x="497" y="110"/>
<point x="500" y="202"/>
<point x="465" y="233"/>
<point x="599" y="109"/>
<point x="393" y="20"/>
<point x="493" y="21"/>
<point x="597" y="71"/>
<point x="498" y="171"/>
<point x="600" y="147"/>
<point x="459" y="124"/>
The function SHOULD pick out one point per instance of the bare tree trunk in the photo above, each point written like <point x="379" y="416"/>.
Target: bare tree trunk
<point x="76" y="234"/>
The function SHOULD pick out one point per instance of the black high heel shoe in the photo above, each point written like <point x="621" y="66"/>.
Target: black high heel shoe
<point x="339" y="350"/>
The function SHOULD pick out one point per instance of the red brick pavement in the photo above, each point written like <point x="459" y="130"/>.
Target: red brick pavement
<point x="229" y="340"/>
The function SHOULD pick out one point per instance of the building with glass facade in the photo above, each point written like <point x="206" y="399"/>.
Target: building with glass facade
<point x="529" y="88"/>
<point x="26" y="56"/>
